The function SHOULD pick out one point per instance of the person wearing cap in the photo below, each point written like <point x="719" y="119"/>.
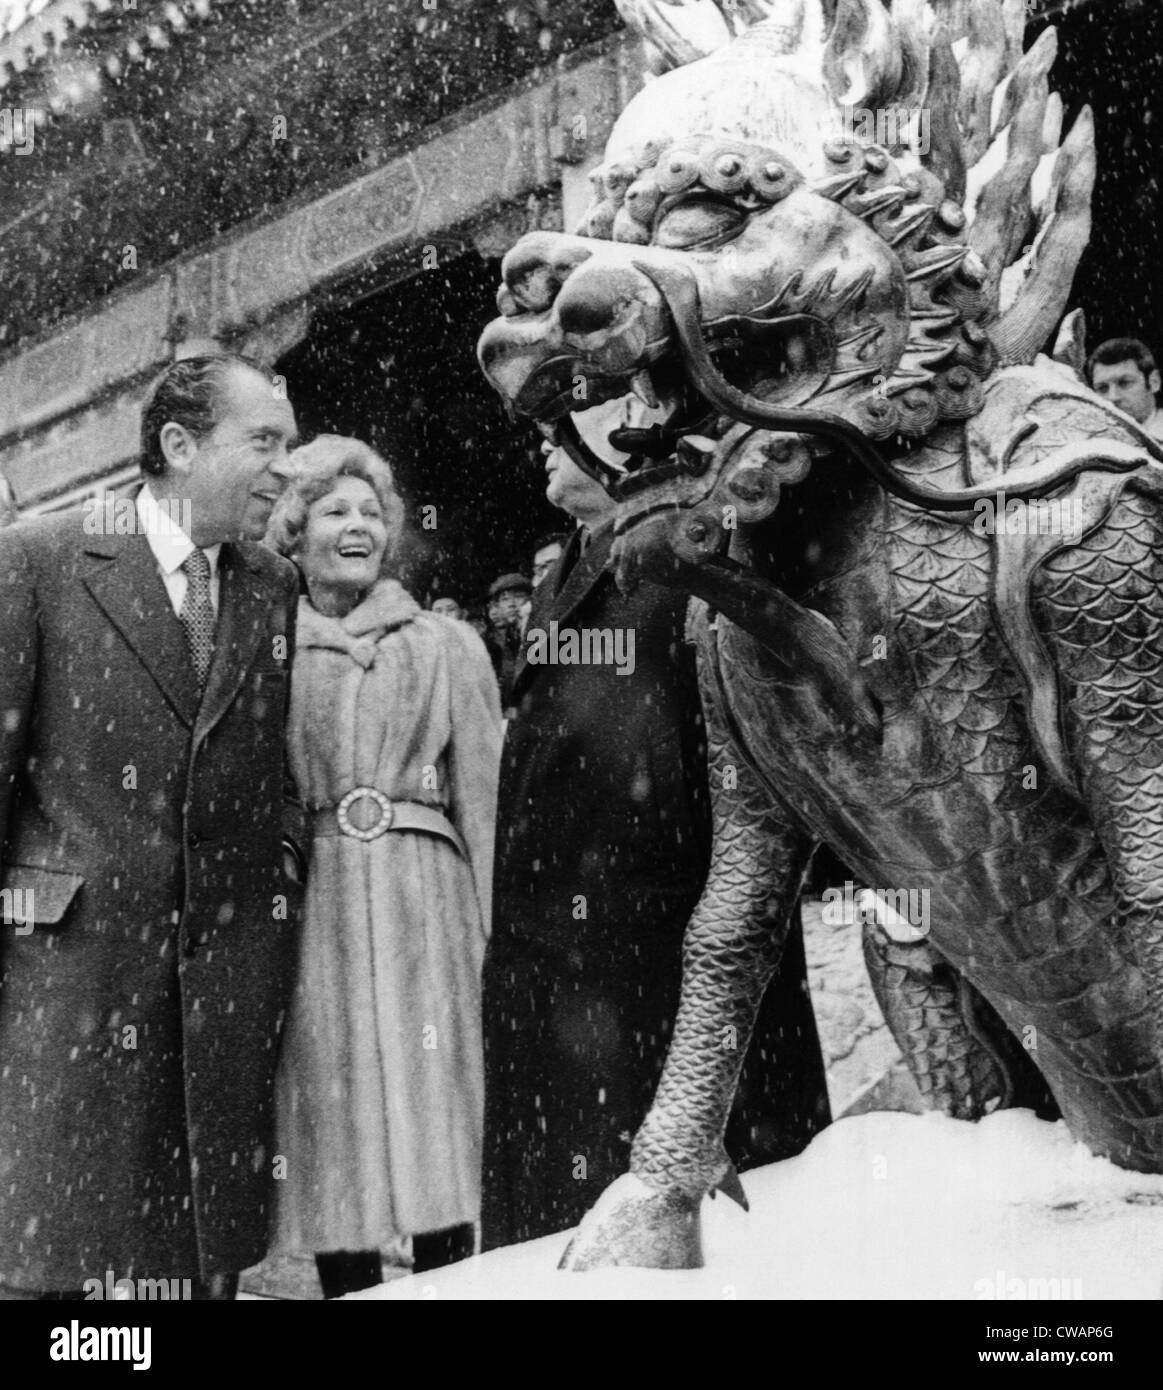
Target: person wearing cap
<point x="507" y="596"/>
<point x="447" y="607"/>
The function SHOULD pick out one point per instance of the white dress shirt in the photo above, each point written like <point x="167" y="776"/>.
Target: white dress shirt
<point x="1153" y="424"/>
<point x="171" y="546"/>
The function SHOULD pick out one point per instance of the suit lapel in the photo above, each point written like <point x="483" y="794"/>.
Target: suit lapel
<point x="574" y="580"/>
<point x="243" y="610"/>
<point x="586" y="573"/>
<point x="126" y="583"/>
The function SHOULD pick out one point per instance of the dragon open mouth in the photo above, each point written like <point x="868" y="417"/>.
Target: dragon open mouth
<point x="652" y="451"/>
<point x="795" y="351"/>
<point x="708" y="392"/>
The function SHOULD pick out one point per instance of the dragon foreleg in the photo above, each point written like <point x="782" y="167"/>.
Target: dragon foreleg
<point x="731" y="949"/>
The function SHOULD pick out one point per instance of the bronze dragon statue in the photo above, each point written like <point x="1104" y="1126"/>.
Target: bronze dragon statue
<point x="927" y="562"/>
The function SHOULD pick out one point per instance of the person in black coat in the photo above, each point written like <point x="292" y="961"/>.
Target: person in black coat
<point x="507" y="595"/>
<point x="603" y="840"/>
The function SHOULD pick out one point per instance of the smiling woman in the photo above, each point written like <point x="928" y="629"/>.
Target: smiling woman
<point x="341" y="521"/>
<point x="394" y="740"/>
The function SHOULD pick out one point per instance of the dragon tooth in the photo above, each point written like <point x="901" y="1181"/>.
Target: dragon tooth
<point x="868" y="205"/>
<point x="915" y="220"/>
<point x="837" y="186"/>
<point x="931" y="264"/>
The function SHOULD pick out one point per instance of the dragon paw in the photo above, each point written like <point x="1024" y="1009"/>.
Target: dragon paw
<point x="632" y="1224"/>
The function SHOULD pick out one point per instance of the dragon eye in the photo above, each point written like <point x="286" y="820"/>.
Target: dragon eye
<point x="698" y="224"/>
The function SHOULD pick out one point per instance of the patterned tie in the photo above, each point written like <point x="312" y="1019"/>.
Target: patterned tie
<point x="197" y="613"/>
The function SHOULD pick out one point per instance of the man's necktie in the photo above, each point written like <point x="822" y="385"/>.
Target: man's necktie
<point x="197" y="613"/>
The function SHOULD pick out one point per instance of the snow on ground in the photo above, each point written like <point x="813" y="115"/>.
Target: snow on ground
<point x="884" y="1205"/>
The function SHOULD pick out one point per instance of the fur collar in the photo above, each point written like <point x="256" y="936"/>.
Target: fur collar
<point x="387" y="605"/>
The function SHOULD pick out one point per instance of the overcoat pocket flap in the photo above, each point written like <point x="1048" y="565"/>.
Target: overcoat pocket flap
<point x="32" y="894"/>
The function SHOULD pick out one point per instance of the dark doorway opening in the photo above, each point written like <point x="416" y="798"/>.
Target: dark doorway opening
<point x="397" y="368"/>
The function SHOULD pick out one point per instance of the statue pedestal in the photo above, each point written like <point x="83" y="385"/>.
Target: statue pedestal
<point x="885" y="1206"/>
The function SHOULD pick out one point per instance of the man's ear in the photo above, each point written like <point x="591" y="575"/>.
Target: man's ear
<point x="1153" y="382"/>
<point x="178" y="446"/>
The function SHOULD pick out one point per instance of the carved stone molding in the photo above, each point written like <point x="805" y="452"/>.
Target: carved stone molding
<point x="128" y="339"/>
<point x="232" y="292"/>
<point x="85" y="446"/>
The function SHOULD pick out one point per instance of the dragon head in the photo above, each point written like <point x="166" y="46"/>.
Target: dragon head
<point x="779" y="279"/>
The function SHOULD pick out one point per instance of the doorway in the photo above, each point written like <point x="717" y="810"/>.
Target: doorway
<point x="397" y="368"/>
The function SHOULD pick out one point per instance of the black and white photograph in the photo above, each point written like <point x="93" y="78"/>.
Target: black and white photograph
<point x="581" y="664"/>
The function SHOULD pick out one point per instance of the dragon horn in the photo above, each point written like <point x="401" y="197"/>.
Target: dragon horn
<point x="862" y="57"/>
<point x="1024" y="327"/>
<point x="678" y="34"/>
<point x="982" y="70"/>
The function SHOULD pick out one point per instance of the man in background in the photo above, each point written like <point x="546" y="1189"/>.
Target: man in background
<point x="447" y="607"/>
<point x="507" y="596"/>
<point x="1123" y="371"/>
<point x="547" y="554"/>
<point x="603" y="841"/>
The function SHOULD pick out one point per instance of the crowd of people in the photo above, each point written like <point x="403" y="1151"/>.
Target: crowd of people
<point x="331" y="920"/>
<point x="510" y="602"/>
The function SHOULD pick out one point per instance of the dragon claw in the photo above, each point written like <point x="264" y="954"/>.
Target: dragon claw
<point x="730" y="1186"/>
<point x="632" y="1224"/>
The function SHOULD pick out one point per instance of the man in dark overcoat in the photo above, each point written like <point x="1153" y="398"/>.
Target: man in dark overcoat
<point x="603" y="841"/>
<point x="145" y="823"/>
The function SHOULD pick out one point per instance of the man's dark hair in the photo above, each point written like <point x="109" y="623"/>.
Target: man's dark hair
<point x="560" y="538"/>
<point x="189" y="393"/>
<point x="1121" y="350"/>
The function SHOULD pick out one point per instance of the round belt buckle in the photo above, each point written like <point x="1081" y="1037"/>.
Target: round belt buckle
<point x="387" y="813"/>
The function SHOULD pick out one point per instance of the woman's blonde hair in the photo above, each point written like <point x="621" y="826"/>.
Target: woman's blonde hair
<point x="318" y="466"/>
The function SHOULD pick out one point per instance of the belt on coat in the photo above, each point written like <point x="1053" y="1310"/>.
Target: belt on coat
<point x="365" y="813"/>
